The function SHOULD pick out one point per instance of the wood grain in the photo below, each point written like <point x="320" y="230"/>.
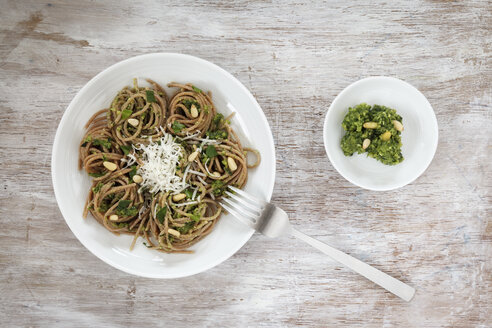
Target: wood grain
<point x="295" y="57"/>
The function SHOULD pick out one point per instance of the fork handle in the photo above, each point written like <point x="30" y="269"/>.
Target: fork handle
<point x="389" y="283"/>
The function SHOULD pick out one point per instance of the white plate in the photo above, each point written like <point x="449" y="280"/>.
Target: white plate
<point x="419" y="137"/>
<point x="71" y="185"/>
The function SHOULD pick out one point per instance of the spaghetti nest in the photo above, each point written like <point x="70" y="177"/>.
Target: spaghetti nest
<point x="160" y="167"/>
<point x="137" y="113"/>
<point x="190" y="111"/>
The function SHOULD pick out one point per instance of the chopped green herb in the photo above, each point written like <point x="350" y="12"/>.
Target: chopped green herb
<point x="97" y="174"/>
<point x="103" y="208"/>
<point x="218" y="187"/>
<point x="126" y="113"/>
<point x="207" y="109"/>
<point x="217" y="119"/>
<point x="177" y="126"/>
<point x="101" y="142"/>
<point x="188" y="225"/>
<point x="161" y="214"/>
<point x="226" y="166"/>
<point x="196" y="215"/>
<point x="126" y="149"/>
<point x="123" y="210"/>
<point x="219" y="134"/>
<point x="97" y="188"/>
<point x="196" y="89"/>
<point x="150" y="96"/>
<point x="106" y="203"/>
<point x="123" y="204"/>
<point x="131" y="211"/>
<point x="188" y="193"/>
<point x="86" y="140"/>
<point x="120" y="224"/>
<point x="132" y="172"/>
<point x="211" y="151"/>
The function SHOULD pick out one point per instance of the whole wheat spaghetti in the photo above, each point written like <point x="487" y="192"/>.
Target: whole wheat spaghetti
<point x="160" y="166"/>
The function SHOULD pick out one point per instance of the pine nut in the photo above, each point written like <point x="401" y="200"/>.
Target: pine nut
<point x="370" y="125"/>
<point x="216" y="174"/>
<point x="133" y="122"/>
<point x="366" y="143"/>
<point x="194" y="111"/>
<point x="110" y="166"/>
<point x="113" y="217"/>
<point x="137" y="178"/>
<point x="398" y="126"/>
<point x="178" y="197"/>
<point x="386" y="136"/>
<point x="192" y="156"/>
<point x="232" y="164"/>
<point x="173" y="232"/>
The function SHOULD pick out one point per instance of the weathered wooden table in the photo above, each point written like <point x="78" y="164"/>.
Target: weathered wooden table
<point x="295" y="57"/>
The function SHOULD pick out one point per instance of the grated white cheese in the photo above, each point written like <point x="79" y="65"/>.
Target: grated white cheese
<point x="184" y="204"/>
<point x="202" y="181"/>
<point x="197" y="173"/>
<point x="206" y="167"/>
<point x="159" y="165"/>
<point x="185" y="175"/>
<point x="190" y="136"/>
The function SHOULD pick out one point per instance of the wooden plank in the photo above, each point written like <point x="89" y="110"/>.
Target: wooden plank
<point x="295" y="57"/>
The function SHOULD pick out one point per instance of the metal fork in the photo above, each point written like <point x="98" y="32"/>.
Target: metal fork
<point x="272" y="221"/>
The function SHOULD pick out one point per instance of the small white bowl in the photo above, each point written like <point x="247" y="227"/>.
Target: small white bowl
<point x="419" y="137"/>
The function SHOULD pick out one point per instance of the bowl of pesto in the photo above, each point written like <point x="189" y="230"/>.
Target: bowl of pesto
<point x="380" y="133"/>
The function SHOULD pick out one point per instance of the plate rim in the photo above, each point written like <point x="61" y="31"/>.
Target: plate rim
<point x="342" y="94"/>
<point x="57" y="140"/>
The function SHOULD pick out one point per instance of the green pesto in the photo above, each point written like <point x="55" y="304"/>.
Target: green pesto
<point x="101" y="142"/>
<point x="189" y="102"/>
<point x="217" y="135"/>
<point x="218" y="187"/>
<point x="177" y="126"/>
<point x="387" y="152"/>
<point x="123" y="208"/>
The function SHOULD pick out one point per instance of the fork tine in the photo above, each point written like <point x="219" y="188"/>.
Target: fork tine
<point x="245" y="203"/>
<point x="252" y="199"/>
<point x="238" y="216"/>
<point x="245" y="212"/>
